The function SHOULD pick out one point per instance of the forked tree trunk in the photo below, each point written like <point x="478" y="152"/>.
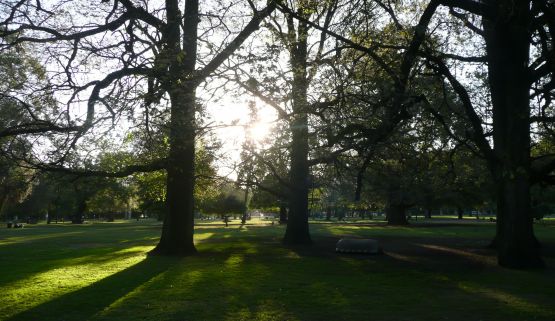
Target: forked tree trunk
<point x="178" y="228"/>
<point x="180" y="81"/>
<point x="507" y="40"/>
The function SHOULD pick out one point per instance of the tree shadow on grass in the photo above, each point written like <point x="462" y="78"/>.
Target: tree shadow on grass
<point x="49" y="249"/>
<point x="243" y="281"/>
<point x="30" y="264"/>
<point x="88" y="301"/>
<point x="43" y="253"/>
<point x="257" y="278"/>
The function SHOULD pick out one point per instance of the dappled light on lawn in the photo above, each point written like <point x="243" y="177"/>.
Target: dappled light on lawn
<point x="267" y="309"/>
<point x="405" y="258"/>
<point x="504" y="298"/>
<point x="246" y="274"/>
<point x="70" y="276"/>
<point x="158" y="285"/>
<point x="31" y="238"/>
<point x="203" y="236"/>
<point x="467" y="254"/>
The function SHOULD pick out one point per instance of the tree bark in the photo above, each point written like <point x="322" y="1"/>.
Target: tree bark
<point x="297" y="231"/>
<point x="396" y="214"/>
<point x="2" y="203"/>
<point x="360" y="177"/>
<point x="358" y="189"/>
<point x="178" y="227"/>
<point x="77" y="218"/>
<point x="460" y="212"/>
<point x="180" y="80"/>
<point x="507" y="41"/>
<point x="246" y="209"/>
<point x="282" y="215"/>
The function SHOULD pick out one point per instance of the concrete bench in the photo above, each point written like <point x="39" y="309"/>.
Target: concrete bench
<point x="364" y="246"/>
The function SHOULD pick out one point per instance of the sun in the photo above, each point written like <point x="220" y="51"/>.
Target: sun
<point x="259" y="131"/>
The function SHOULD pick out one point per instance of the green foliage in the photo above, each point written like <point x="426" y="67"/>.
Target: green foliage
<point x="66" y="196"/>
<point x="17" y="67"/>
<point x="150" y="188"/>
<point x="18" y="71"/>
<point x="151" y="192"/>
<point x="228" y="200"/>
<point x="543" y="201"/>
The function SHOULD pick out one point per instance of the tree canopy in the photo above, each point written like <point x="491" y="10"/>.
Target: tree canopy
<point x="391" y="104"/>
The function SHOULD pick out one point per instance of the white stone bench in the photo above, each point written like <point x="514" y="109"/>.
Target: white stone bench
<point x="364" y="246"/>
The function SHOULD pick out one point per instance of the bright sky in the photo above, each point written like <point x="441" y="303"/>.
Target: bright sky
<point x="229" y="119"/>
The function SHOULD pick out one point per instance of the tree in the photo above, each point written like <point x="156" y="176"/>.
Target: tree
<point x="312" y="64"/>
<point x="292" y="104"/>
<point x="154" y="50"/>
<point x="264" y="169"/>
<point x="510" y="30"/>
<point x="228" y="200"/>
<point x="19" y="71"/>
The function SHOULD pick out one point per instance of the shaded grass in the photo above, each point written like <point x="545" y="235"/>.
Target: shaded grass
<point x="101" y="272"/>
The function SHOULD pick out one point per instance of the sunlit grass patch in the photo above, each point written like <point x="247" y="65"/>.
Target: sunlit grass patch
<point x="72" y="274"/>
<point x="245" y="273"/>
<point x="503" y="298"/>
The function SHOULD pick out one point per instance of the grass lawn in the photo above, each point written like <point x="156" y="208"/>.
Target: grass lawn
<point x="428" y="271"/>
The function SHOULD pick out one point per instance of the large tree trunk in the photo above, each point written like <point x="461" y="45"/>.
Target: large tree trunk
<point x="282" y="214"/>
<point x="396" y="210"/>
<point x="460" y="212"/>
<point x="245" y="213"/>
<point x="178" y="228"/>
<point x="2" y="203"/>
<point x="328" y="213"/>
<point x="358" y="189"/>
<point x="507" y="40"/>
<point x="396" y="214"/>
<point x="297" y="231"/>
<point x="77" y="217"/>
<point x="360" y="177"/>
